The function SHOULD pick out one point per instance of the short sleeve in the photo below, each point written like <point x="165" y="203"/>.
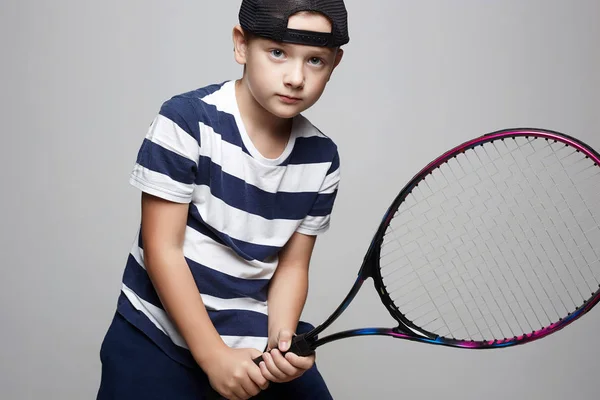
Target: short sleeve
<point x="318" y="219"/>
<point x="167" y="161"/>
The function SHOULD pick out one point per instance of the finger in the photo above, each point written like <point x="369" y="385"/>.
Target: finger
<point x="257" y="377"/>
<point x="232" y="396"/>
<point x="270" y="363"/>
<point x="303" y="363"/>
<point x="250" y="387"/>
<point x="241" y="392"/>
<point x="266" y="373"/>
<point x="255" y="353"/>
<point x="283" y="364"/>
<point x="285" y="339"/>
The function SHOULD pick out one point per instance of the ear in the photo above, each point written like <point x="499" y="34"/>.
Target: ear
<point x="338" y="59"/>
<point x="240" y="45"/>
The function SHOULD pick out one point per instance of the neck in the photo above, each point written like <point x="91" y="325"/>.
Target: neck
<point x="257" y="120"/>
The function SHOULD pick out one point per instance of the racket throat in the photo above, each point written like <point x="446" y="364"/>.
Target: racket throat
<point x="302" y="345"/>
<point x="370" y="263"/>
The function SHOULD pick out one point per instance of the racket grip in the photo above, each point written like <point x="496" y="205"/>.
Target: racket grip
<point x="299" y="346"/>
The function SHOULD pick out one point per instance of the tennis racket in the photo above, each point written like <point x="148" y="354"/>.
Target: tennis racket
<point x="495" y="243"/>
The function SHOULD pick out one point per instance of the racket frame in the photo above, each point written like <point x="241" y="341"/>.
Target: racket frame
<point x="305" y="344"/>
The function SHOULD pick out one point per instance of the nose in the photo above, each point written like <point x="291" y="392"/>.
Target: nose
<point x="294" y="77"/>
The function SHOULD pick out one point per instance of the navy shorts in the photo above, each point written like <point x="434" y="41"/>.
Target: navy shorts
<point x="133" y="368"/>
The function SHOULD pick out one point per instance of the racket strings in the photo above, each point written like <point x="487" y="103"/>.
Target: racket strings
<point x="525" y="251"/>
<point x="496" y="266"/>
<point x="551" y="238"/>
<point x="487" y="325"/>
<point x="475" y="250"/>
<point x="432" y="300"/>
<point x="423" y="319"/>
<point x="587" y="166"/>
<point x="535" y="272"/>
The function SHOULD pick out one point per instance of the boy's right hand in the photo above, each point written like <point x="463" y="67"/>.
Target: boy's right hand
<point x="233" y="374"/>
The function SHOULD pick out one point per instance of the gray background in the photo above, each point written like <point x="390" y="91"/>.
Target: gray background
<point x="82" y="80"/>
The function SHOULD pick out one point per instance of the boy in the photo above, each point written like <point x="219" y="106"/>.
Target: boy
<point x="236" y="185"/>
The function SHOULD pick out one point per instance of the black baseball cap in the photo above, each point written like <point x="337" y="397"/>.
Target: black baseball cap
<point x="269" y="19"/>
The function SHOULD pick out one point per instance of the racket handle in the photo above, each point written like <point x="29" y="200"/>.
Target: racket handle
<point x="299" y="346"/>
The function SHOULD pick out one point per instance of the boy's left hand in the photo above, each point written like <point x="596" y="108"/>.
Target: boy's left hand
<point x="279" y="369"/>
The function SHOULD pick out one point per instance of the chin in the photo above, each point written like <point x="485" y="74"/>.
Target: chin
<point x="285" y="111"/>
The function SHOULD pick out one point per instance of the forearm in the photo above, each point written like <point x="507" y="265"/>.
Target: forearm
<point x="287" y="296"/>
<point x="179" y="295"/>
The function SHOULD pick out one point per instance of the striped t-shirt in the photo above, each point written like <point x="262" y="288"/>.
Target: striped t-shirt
<point x="243" y="208"/>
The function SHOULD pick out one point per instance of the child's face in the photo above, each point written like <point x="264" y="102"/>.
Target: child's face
<point x="286" y="79"/>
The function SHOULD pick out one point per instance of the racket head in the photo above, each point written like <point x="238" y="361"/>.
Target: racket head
<point x="529" y="310"/>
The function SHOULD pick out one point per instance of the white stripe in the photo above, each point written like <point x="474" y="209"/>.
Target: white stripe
<point x="157" y="316"/>
<point x="242" y="225"/>
<point x="304" y="128"/>
<point x="246" y="342"/>
<point x="314" y="225"/>
<point x="138" y="254"/>
<point x="160" y="319"/>
<point x="203" y="250"/>
<point x="222" y="98"/>
<point x="160" y="185"/>
<point x="170" y="136"/>
<point x="331" y="182"/>
<point x="233" y="161"/>
<point x="247" y="304"/>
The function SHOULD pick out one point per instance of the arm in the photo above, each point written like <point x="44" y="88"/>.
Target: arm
<point x="289" y="286"/>
<point x="287" y="294"/>
<point x="230" y="371"/>
<point x="163" y="228"/>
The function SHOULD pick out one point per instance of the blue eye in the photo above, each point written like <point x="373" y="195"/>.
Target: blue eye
<point x="315" y="61"/>
<point x="277" y="53"/>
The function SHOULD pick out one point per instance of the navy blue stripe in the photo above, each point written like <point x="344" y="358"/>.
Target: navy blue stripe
<point x="200" y="226"/>
<point x="140" y="240"/>
<point x="158" y="159"/>
<point x="243" y="196"/>
<point x="204" y="91"/>
<point x="228" y="322"/>
<point x="136" y="278"/>
<point x="208" y="281"/>
<point x="194" y="110"/>
<point x="335" y="164"/>
<point x="181" y="111"/>
<point x="257" y="252"/>
<point x="184" y="356"/>
<point x="323" y="205"/>
<point x="141" y="322"/>
<point x="240" y="323"/>
<point x="218" y="284"/>
<point x="222" y="123"/>
<point x="312" y="150"/>
<point x="246" y="250"/>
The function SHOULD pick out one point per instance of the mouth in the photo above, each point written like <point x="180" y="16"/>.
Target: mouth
<point x="289" y="99"/>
